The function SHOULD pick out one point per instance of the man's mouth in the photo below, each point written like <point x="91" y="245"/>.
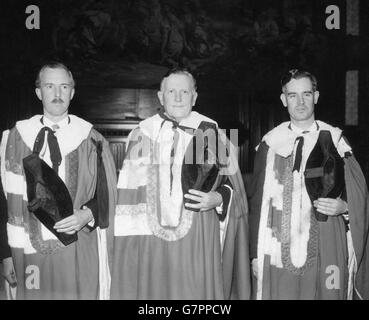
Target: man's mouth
<point x="301" y="109"/>
<point x="57" y="101"/>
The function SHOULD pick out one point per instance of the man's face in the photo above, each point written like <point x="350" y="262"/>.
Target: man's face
<point x="55" y="92"/>
<point x="300" y="99"/>
<point x="178" y="96"/>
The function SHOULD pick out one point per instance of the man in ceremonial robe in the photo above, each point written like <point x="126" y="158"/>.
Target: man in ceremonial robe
<point x="46" y="268"/>
<point x="308" y="208"/>
<point x="6" y="260"/>
<point x="180" y="228"/>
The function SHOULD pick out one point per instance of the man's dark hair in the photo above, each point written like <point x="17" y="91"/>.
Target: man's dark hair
<point x="183" y="71"/>
<point x="53" y="65"/>
<point x="298" y="74"/>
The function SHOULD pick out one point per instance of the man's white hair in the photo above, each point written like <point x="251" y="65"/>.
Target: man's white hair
<point x="178" y="71"/>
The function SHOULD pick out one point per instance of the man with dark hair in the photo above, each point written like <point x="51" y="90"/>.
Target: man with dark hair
<point x="298" y="74"/>
<point x="308" y="207"/>
<point x="58" y="246"/>
<point x="181" y="219"/>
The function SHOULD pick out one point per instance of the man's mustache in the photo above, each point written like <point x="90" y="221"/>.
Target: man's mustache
<point x="57" y="100"/>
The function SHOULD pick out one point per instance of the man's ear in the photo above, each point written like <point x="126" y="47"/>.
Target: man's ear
<point x="316" y="97"/>
<point x="38" y="93"/>
<point x="283" y="99"/>
<point x="72" y="93"/>
<point x="194" y="98"/>
<point x="160" y="96"/>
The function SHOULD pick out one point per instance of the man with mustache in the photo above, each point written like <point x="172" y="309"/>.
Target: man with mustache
<point x="308" y="209"/>
<point x="80" y="158"/>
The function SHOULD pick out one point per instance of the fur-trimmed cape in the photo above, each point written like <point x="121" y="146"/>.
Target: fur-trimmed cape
<point x="45" y="268"/>
<point x="297" y="256"/>
<point x="163" y="250"/>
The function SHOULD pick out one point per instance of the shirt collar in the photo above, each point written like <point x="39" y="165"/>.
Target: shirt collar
<point x="297" y="130"/>
<point x="48" y="123"/>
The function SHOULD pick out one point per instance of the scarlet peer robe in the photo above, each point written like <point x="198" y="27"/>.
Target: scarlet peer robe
<point x="297" y="256"/>
<point x="161" y="249"/>
<point x="45" y="268"/>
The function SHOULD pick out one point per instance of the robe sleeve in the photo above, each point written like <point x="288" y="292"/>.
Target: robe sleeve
<point x="358" y="208"/>
<point x="225" y="188"/>
<point x="225" y="191"/>
<point x="235" y="255"/>
<point x="103" y="203"/>
<point x="255" y="193"/>
<point x="5" y="251"/>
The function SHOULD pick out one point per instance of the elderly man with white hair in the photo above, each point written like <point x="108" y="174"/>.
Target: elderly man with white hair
<point x="180" y="228"/>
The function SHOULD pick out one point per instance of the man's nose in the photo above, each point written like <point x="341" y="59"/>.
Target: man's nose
<point x="300" y="99"/>
<point x="57" y="91"/>
<point x="178" y="97"/>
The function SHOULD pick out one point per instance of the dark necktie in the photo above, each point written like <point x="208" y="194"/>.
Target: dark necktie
<point x="298" y="156"/>
<point x="175" y="126"/>
<point x="175" y="123"/>
<point x="55" y="155"/>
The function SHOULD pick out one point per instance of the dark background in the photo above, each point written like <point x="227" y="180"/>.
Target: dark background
<point x="118" y="52"/>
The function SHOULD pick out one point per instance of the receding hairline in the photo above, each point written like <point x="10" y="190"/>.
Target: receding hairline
<point x="180" y="73"/>
<point x="54" y="67"/>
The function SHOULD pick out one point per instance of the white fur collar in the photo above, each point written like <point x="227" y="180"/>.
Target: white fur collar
<point x="171" y="194"/>
<point x="69" y="137"/>
<point x="281" y="139"/>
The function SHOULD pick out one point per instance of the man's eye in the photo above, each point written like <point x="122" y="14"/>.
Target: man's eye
<point x="49" y="86"/>
<point x="185" y="91"/>
<point x="308" y="94"/>
<point x="65" y="87"/>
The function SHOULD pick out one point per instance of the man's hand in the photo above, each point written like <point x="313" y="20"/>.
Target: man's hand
<point x="254" y="266"/>
<point x="9" y="272"/>
<point x="206" y="200"/>
<point x="330" y="207"/>
<point x="75" y="222"/>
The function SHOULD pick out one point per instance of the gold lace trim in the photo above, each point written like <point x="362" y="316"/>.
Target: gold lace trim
<point x="286" y="227"/>
<point x="153" y="200"/>
<point x="131" y="210"/>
